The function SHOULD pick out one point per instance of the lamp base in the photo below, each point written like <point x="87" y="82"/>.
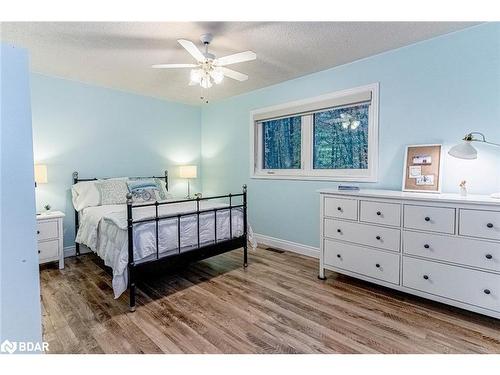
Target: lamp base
<point x="495" y="195"/>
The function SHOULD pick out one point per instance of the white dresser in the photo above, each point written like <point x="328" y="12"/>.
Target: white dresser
<point x="439" y="246"/>
<point x="49" y="232"/>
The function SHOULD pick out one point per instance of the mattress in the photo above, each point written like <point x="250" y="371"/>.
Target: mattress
<point x="104" y="230"/>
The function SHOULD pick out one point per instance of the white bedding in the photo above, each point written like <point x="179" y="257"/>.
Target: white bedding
<point x="104" y="230"/>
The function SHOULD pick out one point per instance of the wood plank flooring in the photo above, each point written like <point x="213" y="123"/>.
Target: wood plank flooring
<point x="276" y="305"/>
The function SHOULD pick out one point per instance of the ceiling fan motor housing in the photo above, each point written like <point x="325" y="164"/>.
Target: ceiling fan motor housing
<point x="206" y="38"/>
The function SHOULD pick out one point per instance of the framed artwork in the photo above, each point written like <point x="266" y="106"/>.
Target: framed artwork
<point x="422" y="168"/>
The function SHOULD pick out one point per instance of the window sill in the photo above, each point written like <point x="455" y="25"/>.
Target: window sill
<point x="314" y="178"/>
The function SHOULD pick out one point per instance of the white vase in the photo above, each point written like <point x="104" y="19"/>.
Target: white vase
<point x="463" y="191"/>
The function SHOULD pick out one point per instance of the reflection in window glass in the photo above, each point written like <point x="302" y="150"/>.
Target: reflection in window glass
<point x="341" y="138"/>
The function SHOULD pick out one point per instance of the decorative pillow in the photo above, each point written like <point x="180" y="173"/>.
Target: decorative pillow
<point x="85" y="194"/>
<point x="144" y="190"/>
<point x="164" y="194"/>
<point x="113" y="191"/>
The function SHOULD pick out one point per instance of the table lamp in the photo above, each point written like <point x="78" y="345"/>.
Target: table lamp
<point x="40" y="174"/>
<point x="188" y="172"/>
<point x="465" y="150"/>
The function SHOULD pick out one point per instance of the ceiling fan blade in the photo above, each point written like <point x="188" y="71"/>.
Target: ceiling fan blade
<point x="236" y="58"/>
<point x="173" y="66"/>
<point x="234" y="74"/>
<point x="192" y="49"/>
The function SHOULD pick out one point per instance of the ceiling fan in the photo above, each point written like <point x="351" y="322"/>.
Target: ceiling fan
<point x="209" y="69"/>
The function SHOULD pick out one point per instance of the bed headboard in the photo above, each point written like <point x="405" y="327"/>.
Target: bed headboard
<point x="77" y="179"/>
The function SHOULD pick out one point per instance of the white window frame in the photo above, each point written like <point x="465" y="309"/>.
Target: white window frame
<point x="306" y="172"/>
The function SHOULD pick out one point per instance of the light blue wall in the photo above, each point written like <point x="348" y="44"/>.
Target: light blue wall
<point x="106" y="133"/>
<point x="431" y="92"/>
<point x="20" y="317"/>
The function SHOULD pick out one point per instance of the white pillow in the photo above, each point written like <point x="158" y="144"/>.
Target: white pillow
<point x="85" y="194"/>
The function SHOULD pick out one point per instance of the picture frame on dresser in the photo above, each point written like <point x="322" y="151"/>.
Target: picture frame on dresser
<point x="422" y="168"/>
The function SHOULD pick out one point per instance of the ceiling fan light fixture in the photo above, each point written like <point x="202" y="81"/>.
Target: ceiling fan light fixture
<point x="206" y="82"/>
<point x="196" y="75"/>
<point x="217" y="75"/>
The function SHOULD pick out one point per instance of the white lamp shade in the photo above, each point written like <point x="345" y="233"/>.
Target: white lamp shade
<point x="41" y="174"/>
<point x="188" y="171"/>
<point x="463" y="150"/>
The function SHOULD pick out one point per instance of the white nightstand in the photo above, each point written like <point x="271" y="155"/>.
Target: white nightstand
<point x="49" y="229"/>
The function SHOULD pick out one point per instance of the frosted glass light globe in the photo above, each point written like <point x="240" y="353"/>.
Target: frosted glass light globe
<point x="195" y="76"/>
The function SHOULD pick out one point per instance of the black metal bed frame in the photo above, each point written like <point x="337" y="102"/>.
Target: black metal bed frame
<point x="198" y="252"/>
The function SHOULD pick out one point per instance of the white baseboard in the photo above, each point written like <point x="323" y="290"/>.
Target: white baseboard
<point x="70" y="251"/>
<point x="294" y="247"/>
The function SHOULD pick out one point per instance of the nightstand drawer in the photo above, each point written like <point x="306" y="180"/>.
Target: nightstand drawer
<point x="482" y="224"/>
<point x="48" y="250"/>
<point x="47" y="230"/>
<point x="341" y="208"/>
<point x="433" y="219"/>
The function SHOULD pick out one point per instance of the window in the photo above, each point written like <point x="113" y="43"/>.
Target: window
<point x="341" y="138"/>
<point x="282" y="143"/>
<point x="332" y="137"/>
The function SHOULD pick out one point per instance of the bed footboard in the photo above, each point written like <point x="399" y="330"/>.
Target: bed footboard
<point x="197" y="252"/>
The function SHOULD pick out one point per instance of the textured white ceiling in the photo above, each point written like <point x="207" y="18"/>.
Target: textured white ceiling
<point x="119" y="55"/>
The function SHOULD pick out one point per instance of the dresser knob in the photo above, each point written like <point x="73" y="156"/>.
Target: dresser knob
<point x="377" y="265"/>
<point x="489" y="256"/>
<point x="486" y="291"/>
<point x="339" y="231"/>
<point x="339" y="208"/>
<point x="338" y="256"/>
<point x="427" y="218"/>
<point x="426" y="277"/>
<point x="426" y="246"/>
<point x="379" y="213"/>
<point x="378" y="237"/>
<point x="489" y="225"/>
<point x="38" y="251"/>
<point x="37" y="232"/>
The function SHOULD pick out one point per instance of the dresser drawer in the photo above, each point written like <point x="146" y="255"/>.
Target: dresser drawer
<point x="434" y="219"/>
<point x="48" y="250"/>
<point x="341" y="208"/>
<point x="364" y="234"/>
<point x="47" y="230"/>
<point x="482" y="224"/>
<point x="380" y="213"/>
<point x="369" y="262"/>
<point x="464" y="285"/>
<point x="458" y="250"/>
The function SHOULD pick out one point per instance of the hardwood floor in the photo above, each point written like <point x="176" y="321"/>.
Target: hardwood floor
<point x="276" y="305"/>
